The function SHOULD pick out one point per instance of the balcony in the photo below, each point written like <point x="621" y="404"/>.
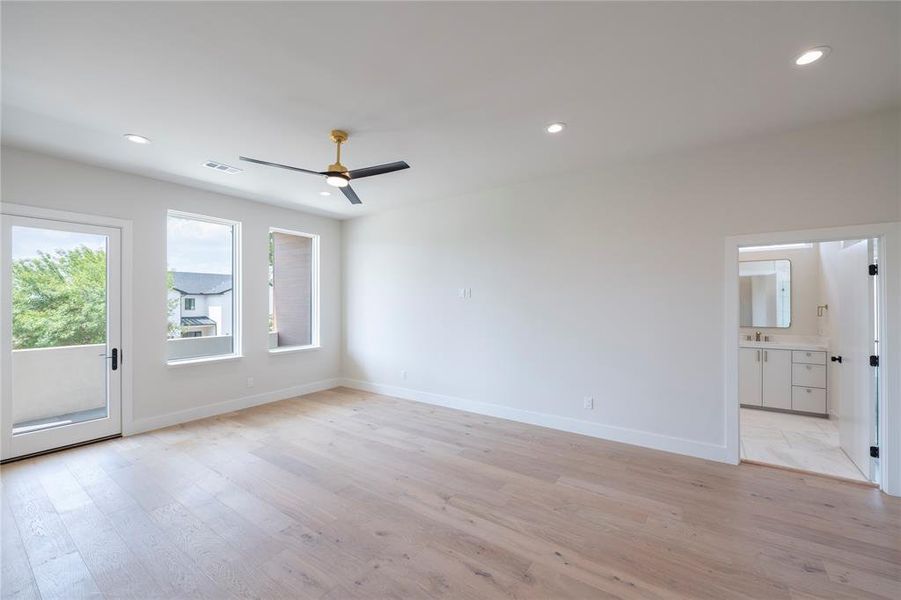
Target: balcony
<point x="58" y="386"/>
<point x="198" y="347"/>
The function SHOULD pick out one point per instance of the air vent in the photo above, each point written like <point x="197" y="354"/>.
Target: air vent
<point x="217" y="166"/>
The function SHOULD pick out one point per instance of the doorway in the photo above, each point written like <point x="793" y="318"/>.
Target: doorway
<point x="809" y="336"/>
<point x="62" y="333"/>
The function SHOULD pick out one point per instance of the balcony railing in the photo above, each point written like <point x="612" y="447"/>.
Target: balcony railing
<point x="198" y="347"/>
<point x="47" y="382"/>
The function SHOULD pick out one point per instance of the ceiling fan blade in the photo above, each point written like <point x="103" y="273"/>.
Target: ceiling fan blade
<point x="272" y="164"/>
<point x="351" y="195"/>
<point x="378" y="169"/>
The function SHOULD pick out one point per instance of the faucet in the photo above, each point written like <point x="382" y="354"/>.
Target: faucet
<point x="757" y="337"/>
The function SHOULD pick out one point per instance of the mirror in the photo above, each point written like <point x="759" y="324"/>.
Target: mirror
<point x="765" y="293"/>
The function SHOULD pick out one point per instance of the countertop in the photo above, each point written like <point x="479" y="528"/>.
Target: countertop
<point x="818" y="347"/>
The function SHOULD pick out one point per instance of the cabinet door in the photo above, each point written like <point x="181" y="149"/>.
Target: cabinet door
<point x="777" y="379"/>
<point x="749" y="361"/>
<point x="807" y="399"/>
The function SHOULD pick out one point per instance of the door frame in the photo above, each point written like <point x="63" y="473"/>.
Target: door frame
<point x="125" y="228"/>
<point x="889" y="291"/>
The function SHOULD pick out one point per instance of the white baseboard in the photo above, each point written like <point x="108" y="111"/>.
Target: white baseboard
<point x="219" y="408"/>
<point x="608" y="432"/>
<point x="598" y="430"/>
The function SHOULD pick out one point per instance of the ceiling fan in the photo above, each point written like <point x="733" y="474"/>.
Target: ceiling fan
<point x="337" y="174"/>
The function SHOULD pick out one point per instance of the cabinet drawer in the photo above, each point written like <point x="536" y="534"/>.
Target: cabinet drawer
<point x="809" y="375"/>
<point x="809" y="357"/>
<point x="808" y="399"/>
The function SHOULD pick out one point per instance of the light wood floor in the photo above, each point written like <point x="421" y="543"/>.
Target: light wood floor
<point x="343" y="494"/>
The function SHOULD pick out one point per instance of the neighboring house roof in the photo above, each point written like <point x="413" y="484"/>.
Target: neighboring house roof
<point x="196" y="321"/>
<point x="201" y="283"/>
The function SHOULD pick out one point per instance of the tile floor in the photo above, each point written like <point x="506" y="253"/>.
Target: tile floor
<point x="808" y="443"/>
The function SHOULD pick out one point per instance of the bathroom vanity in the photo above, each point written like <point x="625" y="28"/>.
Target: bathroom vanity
<point x="783" y="376"/>
<point x="777" y="372"/>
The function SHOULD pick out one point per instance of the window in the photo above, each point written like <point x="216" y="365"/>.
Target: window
<point x="203" y="288"/>
<point x="293" y="290"/>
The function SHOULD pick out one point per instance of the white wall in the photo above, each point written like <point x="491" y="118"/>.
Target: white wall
<point x="163" y="394"/>
<point x="606" y="283"/>
<point x="805" y="291"/>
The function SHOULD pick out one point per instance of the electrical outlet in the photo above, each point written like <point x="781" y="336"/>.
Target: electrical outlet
<point x="250" y="382"/>
<point x="403" y="375"/>
<point x="588" y="403"/>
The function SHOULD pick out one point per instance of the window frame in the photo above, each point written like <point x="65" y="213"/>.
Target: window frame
<point x="315" y="341"/>
<point x="192" y="301"/>
<point x="237" y="288"/>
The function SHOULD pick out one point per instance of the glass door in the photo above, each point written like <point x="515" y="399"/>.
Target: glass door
<point x="61" y="325"/>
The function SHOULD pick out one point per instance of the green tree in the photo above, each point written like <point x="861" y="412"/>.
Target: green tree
<point x="271" y="279"/>
<point x="59" y="299"/>
<point x="173" y="327"/>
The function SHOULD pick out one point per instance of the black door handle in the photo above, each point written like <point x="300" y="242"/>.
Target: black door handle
<point x="837" y="359"/>
<point x="115" y="357"/>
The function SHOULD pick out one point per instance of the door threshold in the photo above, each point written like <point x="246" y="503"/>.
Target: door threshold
<point x="61" y="448"/>
<point x="758" y="463"/>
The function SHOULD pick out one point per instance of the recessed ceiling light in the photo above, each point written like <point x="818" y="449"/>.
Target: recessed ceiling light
<point x="812" y="55"/>
<point x="137" y="139"/>
<point x="555" y="127"/>
<point x="325" y="193"/>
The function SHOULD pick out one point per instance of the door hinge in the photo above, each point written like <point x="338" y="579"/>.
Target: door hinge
<point x="874" y="269"/>
<point x="874" y="360"/>
<point x="874" y="451"/>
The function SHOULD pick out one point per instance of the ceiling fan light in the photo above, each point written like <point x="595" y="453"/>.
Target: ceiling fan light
<point x="337" y="181"/>
<point x="137" y="139"/>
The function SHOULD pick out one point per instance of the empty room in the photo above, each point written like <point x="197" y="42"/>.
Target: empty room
<point x="389" y="300"/>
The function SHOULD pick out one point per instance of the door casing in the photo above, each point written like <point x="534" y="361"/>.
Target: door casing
<point x="121" y="231"/>
<point x="889" y="392"/>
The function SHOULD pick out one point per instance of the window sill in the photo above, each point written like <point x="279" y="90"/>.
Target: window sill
<point x="203" y="360"/>
<point x="293" y="349"/>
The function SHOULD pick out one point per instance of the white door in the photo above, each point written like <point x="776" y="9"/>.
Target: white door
<point x="61" y="326"/>
<point x="777" y="379"/>
<point x="749" y="382"/>
<point x="846" y="272"/>
<point x="849" y="285"/>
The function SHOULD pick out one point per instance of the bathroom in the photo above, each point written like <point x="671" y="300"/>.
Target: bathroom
<point x="808" y="348"/>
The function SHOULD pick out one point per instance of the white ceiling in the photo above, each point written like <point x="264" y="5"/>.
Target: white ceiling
<point x="461" y="91"/>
